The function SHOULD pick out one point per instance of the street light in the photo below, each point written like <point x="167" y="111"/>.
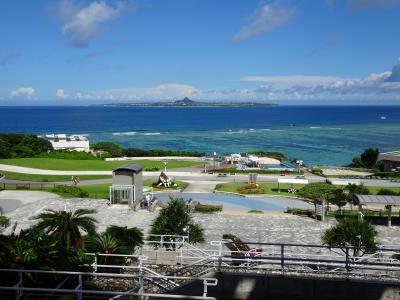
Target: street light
<point x="187" y="230"/>
<point x="165" y="166"/>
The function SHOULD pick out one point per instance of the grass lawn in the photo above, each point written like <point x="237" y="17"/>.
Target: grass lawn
<point x="375" y="189"/>
<point x="98" y="191"/>
<point x="180" y="185"/>
<point x="91" y="165"/>
<point x="48" y="178"/>
<point x="271" y="188"/>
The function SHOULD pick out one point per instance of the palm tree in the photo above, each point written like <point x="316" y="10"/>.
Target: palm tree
<point x="105" y="243"/>
<point x="174" y="219"/>
<point x="65" y="226"/>
<point x="131" y="237"/>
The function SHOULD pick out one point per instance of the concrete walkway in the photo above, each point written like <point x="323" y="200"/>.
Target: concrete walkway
<point x="201" y="186"/>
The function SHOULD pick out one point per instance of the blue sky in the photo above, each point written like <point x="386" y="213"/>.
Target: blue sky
<point x="292" y="52"/>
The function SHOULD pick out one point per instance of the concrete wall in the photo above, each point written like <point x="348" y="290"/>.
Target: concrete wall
<point x="127" y="177"/>
<point x="255" y="286"/>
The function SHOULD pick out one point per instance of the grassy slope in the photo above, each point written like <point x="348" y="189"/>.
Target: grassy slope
<point x="271" y="188"/>
<point x="90" y="165"/>
<point x="48" y="178"/>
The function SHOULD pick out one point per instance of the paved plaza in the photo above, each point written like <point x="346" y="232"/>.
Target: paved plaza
<point x="275" y="227"/>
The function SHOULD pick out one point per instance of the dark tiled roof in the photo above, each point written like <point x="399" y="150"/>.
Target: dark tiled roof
<point x="134" y="168"/>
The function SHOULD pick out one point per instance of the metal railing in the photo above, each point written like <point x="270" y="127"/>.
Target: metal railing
<point x="78" y="291"/>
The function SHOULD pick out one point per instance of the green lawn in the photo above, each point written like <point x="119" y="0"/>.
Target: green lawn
<point x="98" y="191"/>
<point x="91" y="165"/>
<point x="48" y="178"/>
<point x="271" y="188"/>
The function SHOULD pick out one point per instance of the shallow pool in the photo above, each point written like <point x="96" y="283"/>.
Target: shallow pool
<point x="230" y="201"/>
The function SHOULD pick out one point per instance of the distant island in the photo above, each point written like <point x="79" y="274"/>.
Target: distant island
<point x="186" y="102"/>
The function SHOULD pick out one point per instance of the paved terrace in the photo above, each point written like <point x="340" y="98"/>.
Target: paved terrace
<point x="268" y="227"/>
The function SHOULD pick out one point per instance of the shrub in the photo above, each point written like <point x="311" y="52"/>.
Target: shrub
<point x="75" y="155"/>
<point x="387" y="192"/>
<point x="73" y="191"/>
<point x="112" y="149"/>
<point x="152" y="169"/>
<point x="207" y="208"/>
<point x="301" y="212"/>
<point x="317" y="191"/>
<point x="251" y="189"/>
<point x="255" y="211"/>
<point x="4" y="221"/>
<point x="20" y="145"/>
<point x="317" y="170"/>
<point x="359" y="235"/>
<point x="385" y="174"/>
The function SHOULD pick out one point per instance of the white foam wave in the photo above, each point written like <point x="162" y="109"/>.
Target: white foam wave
<point x="315" y="127"/>
<point x="130" y="133"/>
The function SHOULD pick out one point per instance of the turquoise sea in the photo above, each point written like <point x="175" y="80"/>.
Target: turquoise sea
<point x="329" y="135"/>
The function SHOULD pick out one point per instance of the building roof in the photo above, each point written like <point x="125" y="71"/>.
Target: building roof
<point x="132" y="167"/>
<point x="378" y="199"/>
<point x="391" y="156"/>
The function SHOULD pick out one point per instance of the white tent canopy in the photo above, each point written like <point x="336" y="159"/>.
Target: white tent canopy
<point x="293" y="180"/>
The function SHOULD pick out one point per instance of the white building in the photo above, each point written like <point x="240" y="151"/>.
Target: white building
<point x="69" y="143"/>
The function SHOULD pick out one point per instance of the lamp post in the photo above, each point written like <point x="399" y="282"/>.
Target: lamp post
<point x="215" y="157"/>
<point x="165" y="166"/>
<point x="187" y="231"/>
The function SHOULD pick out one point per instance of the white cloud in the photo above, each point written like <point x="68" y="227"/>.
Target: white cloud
<point x="161" y="92"/>
<point x="294" y="79"/>
<point x="395" y="76"/>
<point x="264" y="19"/>
<point x="83" y="23"/>
<point x="61" y="94"/>
<point x="23" y="92"/>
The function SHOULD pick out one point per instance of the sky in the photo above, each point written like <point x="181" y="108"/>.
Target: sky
<point x="283" y="51"/>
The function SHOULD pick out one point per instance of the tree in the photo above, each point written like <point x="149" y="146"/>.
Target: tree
<point x="318" y="191"/>
<point x="352" y="233"/>
<point x="367" y="159"/>
<point x="105" y="243"/>
<point x="113" y="149"/>
<point x="65" y="226"/>
<point x="339" y="198"/>
<point x="355" y="189"/>
<point x="130" y="237"/>
<point x="174" y="219"/>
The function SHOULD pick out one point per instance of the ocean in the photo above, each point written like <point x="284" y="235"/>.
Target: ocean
<point x="327" y="135"/>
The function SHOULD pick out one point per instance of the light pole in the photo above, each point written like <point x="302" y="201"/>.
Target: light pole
<point x="215" y="157"/>
<point x="187" y="230"/>
<point x="165" y="166"/>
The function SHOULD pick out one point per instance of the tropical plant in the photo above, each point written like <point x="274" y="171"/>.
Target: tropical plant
<point x="130" y="237"/>
<point x="351" y="233"/>
<point x="339" y="198"/>
<point x="318" y="191"/>
<point x="175" y="219"/>
<point x="105" y="243"/>
<point x="353" y="190"/>
<point x="65" y="226"/>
